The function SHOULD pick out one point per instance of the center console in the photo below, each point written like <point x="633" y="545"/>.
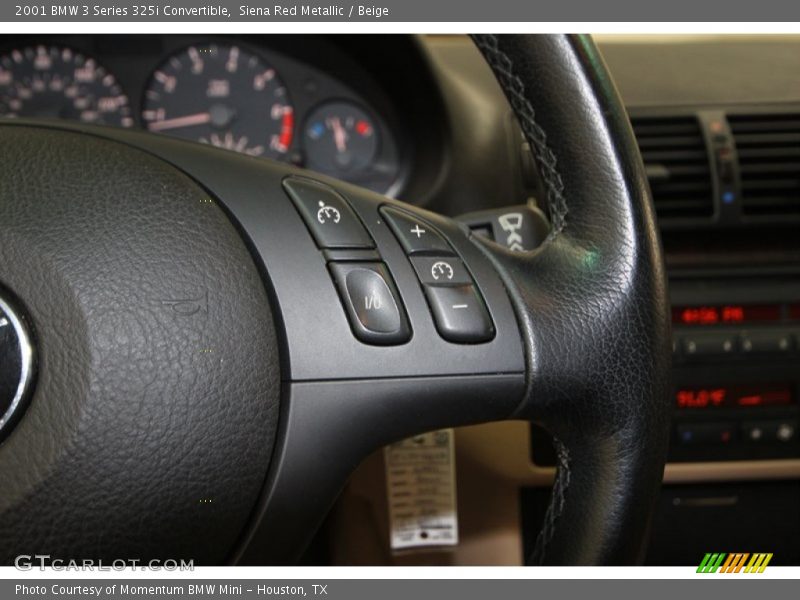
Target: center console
<point x="736" y="370"/>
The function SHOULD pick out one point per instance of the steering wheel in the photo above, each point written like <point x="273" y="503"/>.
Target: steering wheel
<point x="216" y="341"/>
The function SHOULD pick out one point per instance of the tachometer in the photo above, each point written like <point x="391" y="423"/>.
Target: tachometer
<point x="48" y="81"/>
<point x="221" y="95"/>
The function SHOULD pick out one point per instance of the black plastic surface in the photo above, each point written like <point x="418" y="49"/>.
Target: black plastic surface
<point x="326" y="213"/>
<point x="251" y="191"/>
<point x="441" y="270"/>
<point x="350" y="419"/>
<point x="372" y="302"/>
<point x="518" y="228"/>
<point x="459" y="313"/>
<point x="416" y="235"/>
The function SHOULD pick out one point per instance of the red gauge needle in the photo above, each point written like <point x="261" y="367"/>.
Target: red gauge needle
<point x="177" y="122"/>
<point x="339" y="134"/>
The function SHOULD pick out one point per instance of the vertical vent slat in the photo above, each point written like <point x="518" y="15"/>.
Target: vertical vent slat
<point x="676" y="161"/>
<point x="768" y="146"/>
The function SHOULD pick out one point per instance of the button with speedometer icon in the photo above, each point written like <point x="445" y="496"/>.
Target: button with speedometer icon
<point x="222" y="95"/>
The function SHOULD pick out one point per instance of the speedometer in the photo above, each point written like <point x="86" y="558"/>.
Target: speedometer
<point x="48" y="81"/>
<point x="221" y="95"/>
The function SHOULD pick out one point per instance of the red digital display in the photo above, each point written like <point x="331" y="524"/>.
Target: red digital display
<point x="725" y="314"/>
<point x="701" y="398"/>
<point x="794" y="312"/>
<point x="734" y="396"/>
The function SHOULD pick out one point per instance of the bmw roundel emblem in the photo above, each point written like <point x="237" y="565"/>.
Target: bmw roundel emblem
<point x="16" y="365"/>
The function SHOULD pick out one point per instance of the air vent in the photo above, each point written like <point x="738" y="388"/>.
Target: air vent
<point x="677" y="165"/>
<point x="768" y="146"/>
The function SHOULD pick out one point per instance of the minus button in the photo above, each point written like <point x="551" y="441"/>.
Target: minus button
<point x="459" y="313"/>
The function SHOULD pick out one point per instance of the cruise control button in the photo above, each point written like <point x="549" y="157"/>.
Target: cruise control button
<point x="327" y="214"/>
<point x="371" y="302"/>
<point x="415" y="235"/>
<point x="441" y="270"/>
<point x="459" y="313"/>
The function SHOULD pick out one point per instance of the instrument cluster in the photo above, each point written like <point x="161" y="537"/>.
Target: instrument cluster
<point x="230" y="93"/>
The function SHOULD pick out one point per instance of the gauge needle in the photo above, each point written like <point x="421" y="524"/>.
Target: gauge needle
<point x="177" y="122"/>
<point x="339" y="134"/>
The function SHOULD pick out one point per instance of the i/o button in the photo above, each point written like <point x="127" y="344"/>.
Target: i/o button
<point x="371" y="301"/>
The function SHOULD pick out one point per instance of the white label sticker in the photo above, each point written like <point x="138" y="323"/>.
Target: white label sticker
<point x="420" y="478"/>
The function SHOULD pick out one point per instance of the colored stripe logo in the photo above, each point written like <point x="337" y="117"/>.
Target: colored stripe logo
<point x="734" y="563"/>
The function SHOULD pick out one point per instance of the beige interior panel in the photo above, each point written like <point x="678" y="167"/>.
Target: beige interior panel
<point x="488" y="512"/>
<point x="492" y="464"/>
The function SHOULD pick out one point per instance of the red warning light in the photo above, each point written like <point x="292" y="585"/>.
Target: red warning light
<point x="363" y="128"/>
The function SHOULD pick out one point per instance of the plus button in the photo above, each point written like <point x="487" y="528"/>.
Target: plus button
<point x="418" y="231"/>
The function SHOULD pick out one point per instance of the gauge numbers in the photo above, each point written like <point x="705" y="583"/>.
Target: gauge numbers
<point x="59" y="83"/>
<point x="221" y="95"/>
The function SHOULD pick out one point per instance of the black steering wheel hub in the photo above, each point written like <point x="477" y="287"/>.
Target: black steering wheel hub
<point x="157" y="398"/>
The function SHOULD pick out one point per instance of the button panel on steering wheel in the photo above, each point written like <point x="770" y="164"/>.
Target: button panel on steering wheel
<point x="458" y="309"/>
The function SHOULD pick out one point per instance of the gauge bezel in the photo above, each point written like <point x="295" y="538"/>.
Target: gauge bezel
<point x="223" y="44"/>
<point x="374" y="121"/>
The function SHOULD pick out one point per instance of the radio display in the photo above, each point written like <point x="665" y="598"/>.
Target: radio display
<point x="734" y="396"/>
<point x="794" y="312"/>
<point x="725" y="314"/>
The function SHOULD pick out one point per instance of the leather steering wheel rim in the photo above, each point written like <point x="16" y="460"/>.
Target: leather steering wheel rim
<point x="596" y="292"/>
<point x="200" y="392"/>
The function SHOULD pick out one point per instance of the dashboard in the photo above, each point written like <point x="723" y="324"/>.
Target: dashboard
<point x="307" y="102"/>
